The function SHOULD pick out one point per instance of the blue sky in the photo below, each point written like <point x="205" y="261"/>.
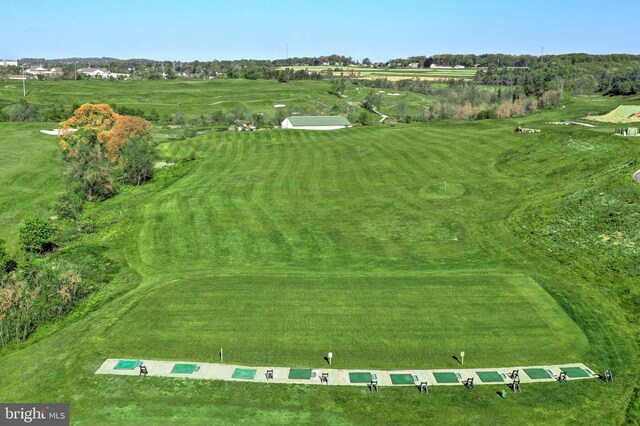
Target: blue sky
<point x="380" y="30"/>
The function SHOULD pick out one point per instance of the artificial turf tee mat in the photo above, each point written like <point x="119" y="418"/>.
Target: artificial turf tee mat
<point x="537" y="373"/>
<point x="489" y="376"/>
<point x="300" y="373"/>
<point x="184" y="369"/>
<point x="360" y="377"/>
<point x="126" y="364"/>
<point x="446" y="377"/>
<point x="575" y="372"/>
<point x="402" y="379"/>
<point x="244" y="373"/>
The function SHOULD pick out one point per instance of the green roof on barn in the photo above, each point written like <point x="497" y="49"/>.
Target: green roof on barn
<point x="309" y="120"/>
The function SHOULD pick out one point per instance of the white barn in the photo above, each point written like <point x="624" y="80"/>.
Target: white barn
<point x="100" y="73"/>
<point x="307" y="122"/>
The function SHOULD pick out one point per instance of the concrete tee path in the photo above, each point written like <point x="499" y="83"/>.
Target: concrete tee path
<point x="339" y="377"/>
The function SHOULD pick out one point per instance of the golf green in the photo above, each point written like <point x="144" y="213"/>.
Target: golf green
<point x="575" y="372"/>
<point x="402" y="379"/>
<point x="537" y="373"/>
<point x="490" y="376"/>
<point x="446" y="377"/>
<point x="244" y="373"/>
<point x="184" y="369"/>
<point x="126" y="364"/>
<point x="360" y="377"/>
<point x="300" y="373"/>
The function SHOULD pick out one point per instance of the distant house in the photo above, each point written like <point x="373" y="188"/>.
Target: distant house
<point x="40" y="70"/>
<point x="434" y="66"/>
<point x="94" y="72"/>
<point x="100" y="73"/>
<point x="241" y="126"/>
<point x="414" y="65"/>
<point x="305" y="122"/>
<point x="8" y="63"/>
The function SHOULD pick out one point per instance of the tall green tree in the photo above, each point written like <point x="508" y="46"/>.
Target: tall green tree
<point x="137" y="160"/>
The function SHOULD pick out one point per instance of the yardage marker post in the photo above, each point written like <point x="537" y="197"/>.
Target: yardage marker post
<point x="462" y="358"/>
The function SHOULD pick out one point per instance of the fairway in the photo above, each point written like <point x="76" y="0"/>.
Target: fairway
<point x="390" y="247"/>
<point x="195" y="98"/>
<point x="404" y="321"/>
<point x="29" y="175"/>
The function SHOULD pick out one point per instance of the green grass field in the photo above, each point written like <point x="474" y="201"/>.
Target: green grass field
<point x="30" y="175"/>
<point x="194" y="98"/>
<point x="171" y="317"/>
<point x="281" y="245"/>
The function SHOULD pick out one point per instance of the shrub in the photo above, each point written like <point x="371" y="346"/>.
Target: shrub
<point x="36" y="235"/>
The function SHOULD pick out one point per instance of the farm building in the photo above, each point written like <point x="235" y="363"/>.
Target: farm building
<point x="100" y="73"/>
<point x="40" y="70"/>
<point x="303" y="122"/>
<point x="241" y="126"/>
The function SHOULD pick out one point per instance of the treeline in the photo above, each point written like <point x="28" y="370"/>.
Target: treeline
<point x="574" y="73"/>
<point x="461" y="100"/>
<point x="577" y="73"/>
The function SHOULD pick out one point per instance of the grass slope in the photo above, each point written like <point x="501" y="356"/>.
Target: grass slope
<point x="622" y="114"/>
<point x="30" y="175"/>
<point x="264" y="227"/>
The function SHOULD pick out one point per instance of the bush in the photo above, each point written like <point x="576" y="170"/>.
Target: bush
<point x="487" y="114"/>
<point x="69" y="206"/>
<point x="137" y="158"/>
<point x="40" y="293"/>
<point x="36" y="235"/>
<point x="22" y="111"/>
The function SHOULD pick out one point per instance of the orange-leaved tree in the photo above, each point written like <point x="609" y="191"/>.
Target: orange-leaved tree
<point x="95" y="143"/>
<point x="112" y="130"/>
<point x="123" y="129"/>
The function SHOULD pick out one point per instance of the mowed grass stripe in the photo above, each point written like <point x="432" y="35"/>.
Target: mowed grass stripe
<point x="313" y="212"/>
<point x="412" y="321"/>
<point x="29" y="176"/>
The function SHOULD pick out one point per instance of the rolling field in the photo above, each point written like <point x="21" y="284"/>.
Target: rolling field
<point x="394" y="74"/>
<point x="30" y="175"/>
<point x="194" y="97"/>
<point x="394" y="247"/>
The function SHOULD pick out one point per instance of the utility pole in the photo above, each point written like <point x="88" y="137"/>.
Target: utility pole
<point x="542" y="56"/>
<point x="75" y="70"/>
<point x="24" y="84"/>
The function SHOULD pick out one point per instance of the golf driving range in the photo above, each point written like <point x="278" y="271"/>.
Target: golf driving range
<point x="394" y="248"/>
